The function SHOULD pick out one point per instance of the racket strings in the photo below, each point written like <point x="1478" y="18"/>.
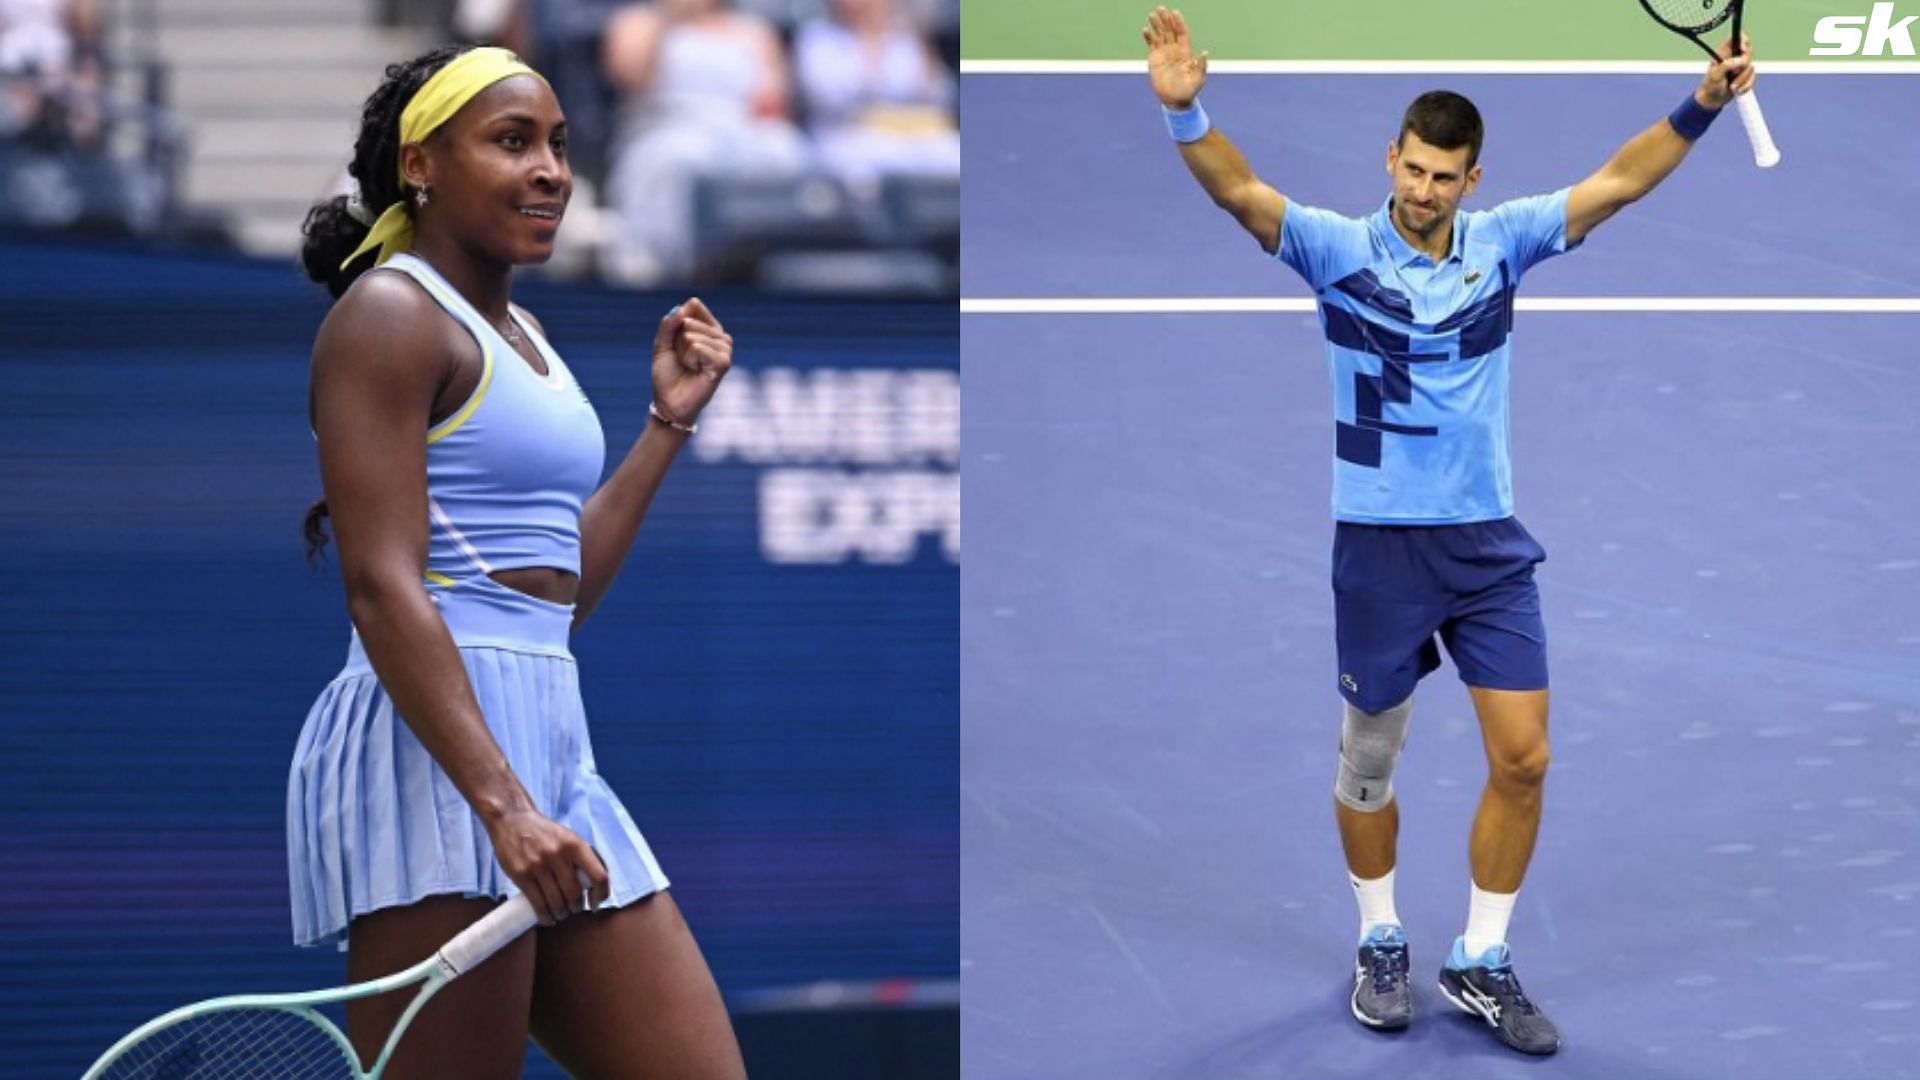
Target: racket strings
<point x="236" y="1044"/>
<point x="1691" y="16"/>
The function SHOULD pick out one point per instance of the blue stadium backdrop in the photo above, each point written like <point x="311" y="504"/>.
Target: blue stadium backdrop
<point x="773" y="682"/>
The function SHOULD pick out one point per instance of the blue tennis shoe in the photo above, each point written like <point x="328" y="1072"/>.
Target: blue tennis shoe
<point x="1382" y="991"/>
<point x="1486" y="987"/>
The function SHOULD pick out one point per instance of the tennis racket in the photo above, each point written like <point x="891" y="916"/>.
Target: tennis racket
<point x="1692" y="18"/>
<point x="284" y="1036"/>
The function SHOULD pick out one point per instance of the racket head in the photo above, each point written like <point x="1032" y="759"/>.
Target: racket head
<point x="236" y="1039"/>
<point x="284" y="1036"/>
<point x="261" y="1036"/>
<point x="1691" y="17"/>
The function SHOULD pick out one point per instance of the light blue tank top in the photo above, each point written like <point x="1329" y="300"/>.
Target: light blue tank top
<point x="508" y="472"/>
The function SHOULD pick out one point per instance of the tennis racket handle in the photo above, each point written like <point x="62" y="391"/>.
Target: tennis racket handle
<point x="488" y="936"/>
<point x="1765" y="153"/>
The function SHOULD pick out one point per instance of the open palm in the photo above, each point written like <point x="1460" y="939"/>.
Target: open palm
<point x="1177" y="74"/>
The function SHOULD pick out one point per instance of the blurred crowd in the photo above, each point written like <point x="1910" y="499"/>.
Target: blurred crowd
<point x="709" y="138"/>
<point x="665" y="94"/>
<point x="62" y="159"/>
<point x="53" y="69"/>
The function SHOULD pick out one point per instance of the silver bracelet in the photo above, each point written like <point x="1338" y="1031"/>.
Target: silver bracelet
<point x="653" y="410"/>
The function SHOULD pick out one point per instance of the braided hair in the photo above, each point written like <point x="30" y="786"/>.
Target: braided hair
<point x="332" y="232"/>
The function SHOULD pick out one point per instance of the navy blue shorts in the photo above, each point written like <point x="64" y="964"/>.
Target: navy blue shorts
<point x="1395" y="587"/>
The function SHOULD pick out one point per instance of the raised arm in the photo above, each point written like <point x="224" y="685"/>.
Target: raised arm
<point x="378" y="364"/>
<point x="1647" y="158"/>
<point x="1215" y="162"/>
<point x="692" y="352"/>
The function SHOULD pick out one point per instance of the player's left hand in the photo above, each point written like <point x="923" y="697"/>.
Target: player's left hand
<point x="692" y="352"/>
<point x="1729" y="76"/>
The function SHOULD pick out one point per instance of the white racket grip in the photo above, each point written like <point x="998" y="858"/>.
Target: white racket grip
<point x="488" y="936"/>
<point x="1765" y="153"/>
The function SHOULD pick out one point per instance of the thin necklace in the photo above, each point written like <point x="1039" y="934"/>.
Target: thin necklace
<point x="508" y="331"/>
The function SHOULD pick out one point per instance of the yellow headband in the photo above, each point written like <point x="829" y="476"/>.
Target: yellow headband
<point x="443" y="95"/>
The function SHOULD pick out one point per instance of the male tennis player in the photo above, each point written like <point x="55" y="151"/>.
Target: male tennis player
<point x="1416" y="302"/>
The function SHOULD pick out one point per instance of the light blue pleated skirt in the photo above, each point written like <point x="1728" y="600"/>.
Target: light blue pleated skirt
<point x="373" y="821"/>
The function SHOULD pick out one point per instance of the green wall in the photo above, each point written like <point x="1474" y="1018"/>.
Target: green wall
<point x="1382" y="29"/>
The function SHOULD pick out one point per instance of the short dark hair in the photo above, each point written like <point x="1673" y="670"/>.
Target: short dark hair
<point x="1444" y="119"/>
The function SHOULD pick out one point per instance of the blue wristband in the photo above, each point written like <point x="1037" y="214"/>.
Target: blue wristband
<point x="1189" y="124"/>
<point x="1691" y="120"/>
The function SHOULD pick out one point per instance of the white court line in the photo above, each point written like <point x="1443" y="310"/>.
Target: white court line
<point x="1208" y="305"/>
<point x="1437" y="67"/>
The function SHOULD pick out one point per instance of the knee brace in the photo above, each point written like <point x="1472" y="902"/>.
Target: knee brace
<point x="1369" y="746"/>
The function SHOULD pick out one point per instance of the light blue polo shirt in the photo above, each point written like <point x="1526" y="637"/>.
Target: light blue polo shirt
<point x="1419" y="355"/>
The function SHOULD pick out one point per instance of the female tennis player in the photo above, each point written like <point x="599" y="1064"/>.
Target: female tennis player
<point x="448" y="765"/>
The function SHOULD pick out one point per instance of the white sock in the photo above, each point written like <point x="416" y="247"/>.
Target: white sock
<point x="1376" y="901"/>
<point x="1487" y="917"/>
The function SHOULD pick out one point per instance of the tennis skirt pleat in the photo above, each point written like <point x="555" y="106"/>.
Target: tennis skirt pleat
<point x="374" y="822"/>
